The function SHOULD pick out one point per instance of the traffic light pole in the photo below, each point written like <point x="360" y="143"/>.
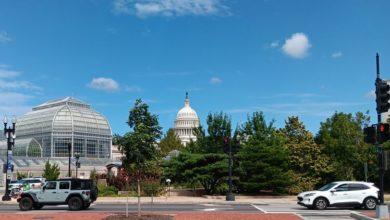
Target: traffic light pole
<point x="382" y="211"/>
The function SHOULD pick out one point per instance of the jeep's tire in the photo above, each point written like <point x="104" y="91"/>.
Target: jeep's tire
<point x="320" y="203"/>
<point x="37" y="206"/>
<point x="370" y="203"/>
<point x="25" y="204"/>
<point x="75" y="203"/>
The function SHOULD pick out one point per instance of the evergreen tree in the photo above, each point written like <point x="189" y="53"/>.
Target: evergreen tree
<point x="170" y="142"/>
<point x="204" y="161"/>
<point x="51" y="171"/>
<point x="263" y="157"/>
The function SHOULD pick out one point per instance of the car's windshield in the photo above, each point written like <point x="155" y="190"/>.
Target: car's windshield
<point x="327" y="187"/>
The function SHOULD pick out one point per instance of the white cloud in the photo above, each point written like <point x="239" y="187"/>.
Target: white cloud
<point x="215" y="80"/>
<point x="105" y="84"/>
<point x="7" y="81"/>
<point x="121" y="6"/>
<point x="297" y="46"/>
<point x="6" y="73"/>
<point x="13" y="103"/>
<point x="133" y="89"/>
<point x="13" y="85"/>
<point x="274" y="44"/>
<point x="4" y="37"/>
<point x="337" y="54"/>
<point x="146" y="8"/>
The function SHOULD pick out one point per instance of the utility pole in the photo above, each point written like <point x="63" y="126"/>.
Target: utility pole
<point x="382" y="89"/>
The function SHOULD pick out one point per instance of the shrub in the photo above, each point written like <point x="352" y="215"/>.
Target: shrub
<point x="107" y="190"/>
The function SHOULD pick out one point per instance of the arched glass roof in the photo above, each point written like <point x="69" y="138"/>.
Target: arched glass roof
<point x="64" y="115"/>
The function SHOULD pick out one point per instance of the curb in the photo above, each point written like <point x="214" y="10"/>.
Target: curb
<point x="359" y="216"/>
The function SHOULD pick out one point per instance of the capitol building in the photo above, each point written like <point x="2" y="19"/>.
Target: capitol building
<point x="186" y="121"/>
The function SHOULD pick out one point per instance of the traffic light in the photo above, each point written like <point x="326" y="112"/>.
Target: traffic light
<point x="383" y="132"/>
<point x="370" y="134"/>
<point x="382" y="96"/>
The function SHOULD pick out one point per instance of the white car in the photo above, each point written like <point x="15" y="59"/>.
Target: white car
<point x="341" y="194"/>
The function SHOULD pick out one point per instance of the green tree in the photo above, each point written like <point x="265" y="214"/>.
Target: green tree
<point x="170" y="142"/>
<point x="263" y="157"/>
<point x="20" y="175"/>
<point x="306" y="159"/>
<point x="204" y="161"/>
<point x="51" y="171"/>
<point x="341" y="137"/>
<point x="93" y="175"/>
<point x="139" y="144"/>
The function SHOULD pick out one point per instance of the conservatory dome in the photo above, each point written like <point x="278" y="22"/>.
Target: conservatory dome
<point x="55" y="124"/>
<point x="186" y="121"/>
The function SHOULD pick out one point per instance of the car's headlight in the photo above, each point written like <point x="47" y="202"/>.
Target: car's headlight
<point x="309" y="194"/>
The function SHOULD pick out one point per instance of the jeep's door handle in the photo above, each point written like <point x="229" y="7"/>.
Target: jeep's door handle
<point x="66" y="192"/>
<point x="54" y="192"/>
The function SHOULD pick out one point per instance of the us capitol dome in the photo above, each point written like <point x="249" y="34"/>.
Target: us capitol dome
<point x="186" y="121"/>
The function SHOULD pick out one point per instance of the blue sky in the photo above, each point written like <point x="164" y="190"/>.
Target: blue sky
<point x="306" y="58"/>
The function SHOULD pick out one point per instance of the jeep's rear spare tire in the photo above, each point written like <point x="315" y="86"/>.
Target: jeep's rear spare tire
<point x="75" y="203"/>
<point x="25" y="204"/>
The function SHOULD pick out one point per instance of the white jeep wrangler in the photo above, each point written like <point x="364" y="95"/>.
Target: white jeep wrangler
<point x="76" y="193"/>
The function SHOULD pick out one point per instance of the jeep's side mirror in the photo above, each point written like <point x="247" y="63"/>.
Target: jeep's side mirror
<point x="333" y="190"/>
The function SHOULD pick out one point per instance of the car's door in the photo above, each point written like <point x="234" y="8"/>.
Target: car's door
<point x="357" y="192"/>
<point x="340" y="194"/>
<point x="63" y="190"/>
<point x="49" y="192"/>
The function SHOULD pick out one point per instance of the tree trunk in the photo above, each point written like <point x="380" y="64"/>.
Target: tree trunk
<point x="139" y="197"/>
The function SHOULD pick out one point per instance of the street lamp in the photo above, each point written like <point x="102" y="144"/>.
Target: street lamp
<point x="9" y="133"/>
<point x="77" y="156"/>
<point x="70" y="155"/>
<point x="169" y="186"/>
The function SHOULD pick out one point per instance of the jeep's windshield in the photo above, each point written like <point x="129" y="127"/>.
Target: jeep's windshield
<point x="327" y="187"/>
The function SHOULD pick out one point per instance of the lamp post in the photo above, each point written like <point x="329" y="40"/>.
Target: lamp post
<point x="70" y="155"/>
<point x="77" y="156"/>
<point x="169" y="186"/>
<point x="9" y="133"/>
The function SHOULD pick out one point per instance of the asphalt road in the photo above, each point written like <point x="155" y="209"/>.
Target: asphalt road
<point x="174" y="208"/>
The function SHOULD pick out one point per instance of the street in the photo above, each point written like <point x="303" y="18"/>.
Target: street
<point x="302" y="212"/>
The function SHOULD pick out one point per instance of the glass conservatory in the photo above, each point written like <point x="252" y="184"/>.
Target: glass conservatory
<point x="49" y="128"/>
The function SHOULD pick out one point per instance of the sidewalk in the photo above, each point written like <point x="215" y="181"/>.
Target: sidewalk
<point x="197" y="200"/>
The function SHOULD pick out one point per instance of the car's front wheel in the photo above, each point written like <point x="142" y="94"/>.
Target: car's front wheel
<point x="370" y="203"/>
<point x="320" y="203"/>
<point x="25" y="204"/>
<point x="75" y="203"/>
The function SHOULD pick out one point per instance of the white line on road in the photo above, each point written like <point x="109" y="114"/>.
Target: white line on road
<point x="258" y="208"/>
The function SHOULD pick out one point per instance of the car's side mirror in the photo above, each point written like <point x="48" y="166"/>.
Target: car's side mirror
<point x="333" y="190"/>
